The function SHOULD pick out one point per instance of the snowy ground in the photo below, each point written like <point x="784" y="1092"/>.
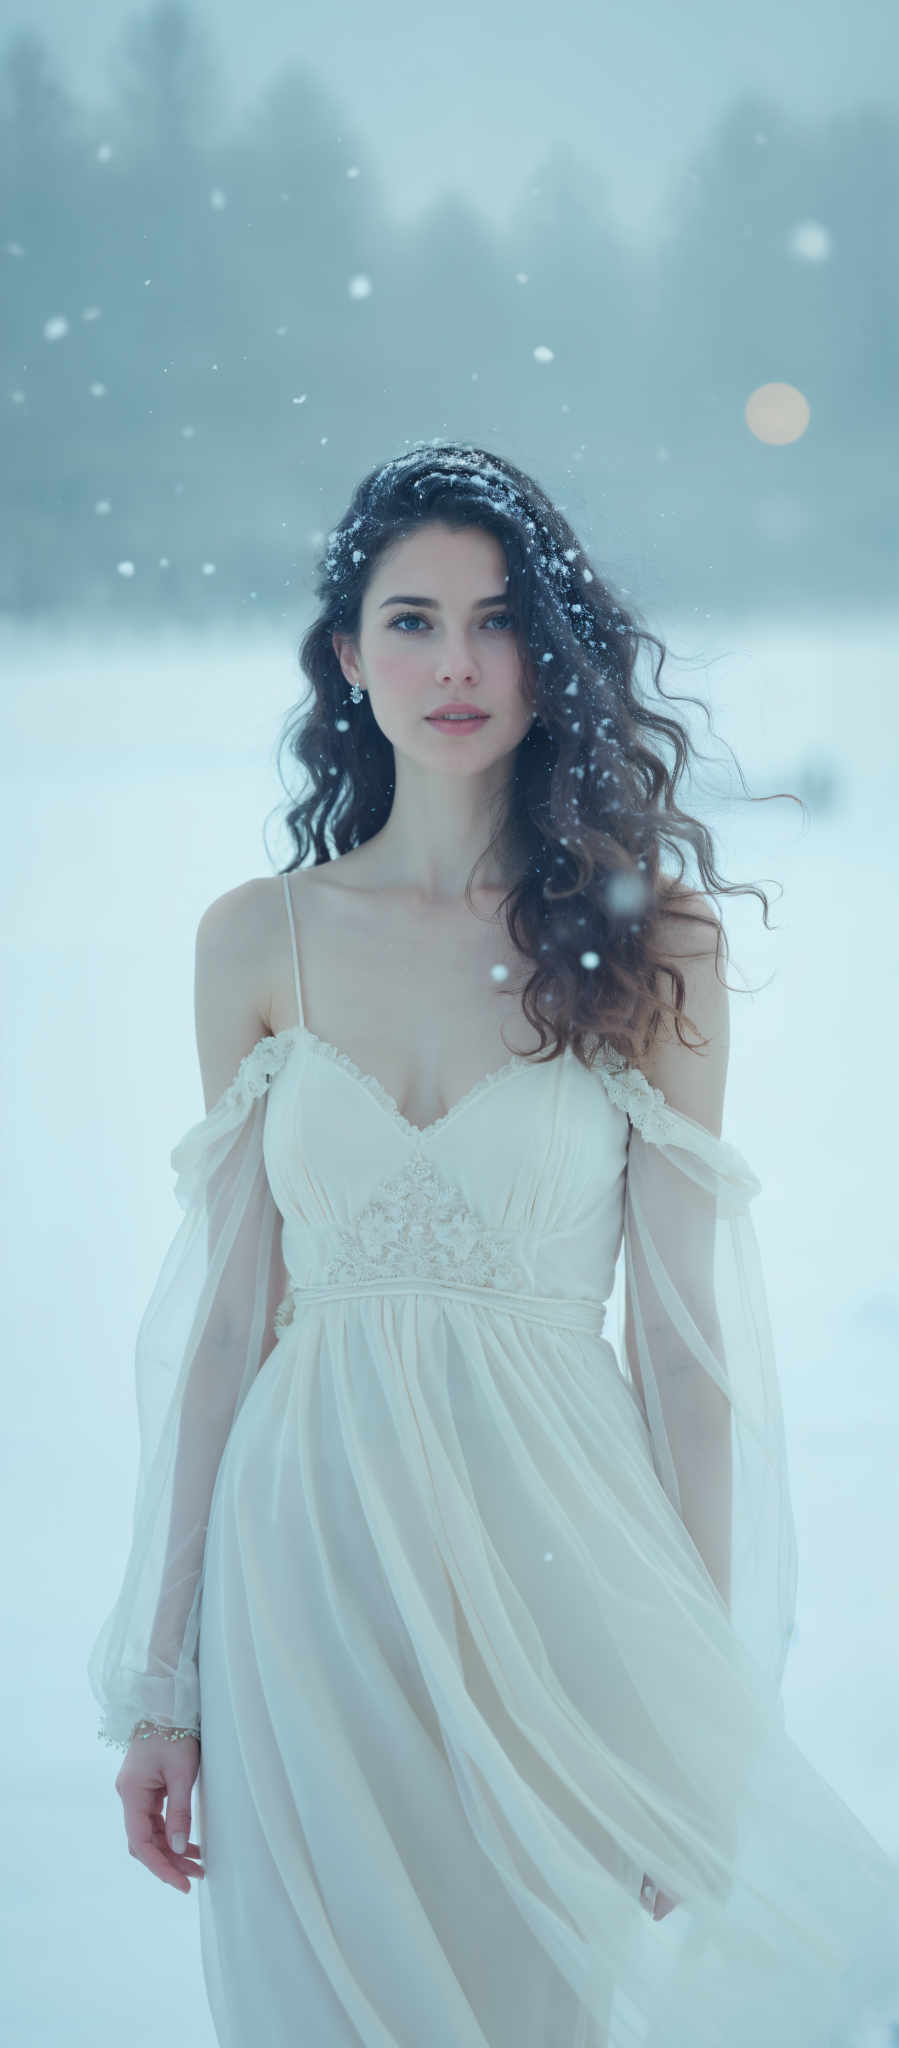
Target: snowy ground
<point x="137" y="776"/>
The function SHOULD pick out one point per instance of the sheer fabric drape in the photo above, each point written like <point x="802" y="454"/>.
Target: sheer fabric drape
<point x="207" y="1328"/>
<point x="696" y="1338"/>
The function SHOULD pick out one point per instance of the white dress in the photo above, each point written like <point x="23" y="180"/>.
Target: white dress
<point x="414" y="1554"/>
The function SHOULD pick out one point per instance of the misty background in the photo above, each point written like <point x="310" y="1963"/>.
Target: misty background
<point x="217" y="316"/>
<point x="245" y="258"/>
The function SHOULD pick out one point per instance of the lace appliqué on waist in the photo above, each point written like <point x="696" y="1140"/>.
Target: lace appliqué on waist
<point x="417" y="1226"/>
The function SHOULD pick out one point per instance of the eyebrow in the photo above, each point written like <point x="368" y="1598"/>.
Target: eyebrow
<point x="432" y="604"/>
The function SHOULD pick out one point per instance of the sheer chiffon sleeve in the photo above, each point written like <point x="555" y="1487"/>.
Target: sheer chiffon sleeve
<point x="208" y="1327"/>
<point x="697" y="1344"/>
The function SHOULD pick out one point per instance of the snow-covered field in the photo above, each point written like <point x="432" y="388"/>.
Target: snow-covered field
<point x="136" y="776"/>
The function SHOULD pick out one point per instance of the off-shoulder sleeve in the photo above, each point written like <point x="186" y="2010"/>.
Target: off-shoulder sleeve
<point x="207" y="1328"/>
<point x="697" y="1341"/>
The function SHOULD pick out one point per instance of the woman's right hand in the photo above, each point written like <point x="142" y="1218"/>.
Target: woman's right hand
<point x="156" y="1769"/>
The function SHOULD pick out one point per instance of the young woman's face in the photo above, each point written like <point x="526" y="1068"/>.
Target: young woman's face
<point x="435" y="630"/>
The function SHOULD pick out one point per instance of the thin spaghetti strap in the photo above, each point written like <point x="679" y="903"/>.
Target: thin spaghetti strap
<point x="293" y="941"/>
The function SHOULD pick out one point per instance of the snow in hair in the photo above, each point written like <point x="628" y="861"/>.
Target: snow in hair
<point x="478" y="474"/>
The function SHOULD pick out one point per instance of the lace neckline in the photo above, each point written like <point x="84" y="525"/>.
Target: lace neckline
<point x="626" y="1086"/>
<point x="387" y="1102"/>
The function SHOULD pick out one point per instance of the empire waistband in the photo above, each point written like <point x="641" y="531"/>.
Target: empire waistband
<point x="568" y="1312"/>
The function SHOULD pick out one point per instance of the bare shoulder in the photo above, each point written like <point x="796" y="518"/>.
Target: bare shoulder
<point x="689" y="937"/>
<point x="688" y="926"/>
<point x="235" y="924"/>
<point x="232" y="971"/>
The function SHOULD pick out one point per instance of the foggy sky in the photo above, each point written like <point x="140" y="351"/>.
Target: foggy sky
<point x="470" y="100"/>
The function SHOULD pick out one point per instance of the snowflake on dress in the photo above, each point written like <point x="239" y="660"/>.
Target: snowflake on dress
<point x="418" y="1226"/>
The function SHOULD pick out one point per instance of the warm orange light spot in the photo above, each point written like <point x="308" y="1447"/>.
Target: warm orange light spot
<point x="777" y="413"/>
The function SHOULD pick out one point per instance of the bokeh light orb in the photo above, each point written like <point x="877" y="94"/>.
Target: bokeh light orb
<point x="777" y="414"/>
<point x="811" y="241"/>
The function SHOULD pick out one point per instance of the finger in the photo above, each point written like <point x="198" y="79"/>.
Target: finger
<point x="177" y="1820"/>
<point x="160" y="1865"/>
<point x="186" y="1859"/>
<point x="189" y="1861"/>
<point x="146" y="1843"/>
<point x="161" y="1838"/>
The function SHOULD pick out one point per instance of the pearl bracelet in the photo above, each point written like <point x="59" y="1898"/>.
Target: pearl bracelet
<point x="142" y="1730"/>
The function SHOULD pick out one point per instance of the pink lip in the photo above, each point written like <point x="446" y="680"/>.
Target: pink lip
<point x="469" y="710"/>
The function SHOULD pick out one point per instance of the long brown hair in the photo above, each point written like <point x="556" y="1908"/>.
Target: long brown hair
<point x="590" y="804"/>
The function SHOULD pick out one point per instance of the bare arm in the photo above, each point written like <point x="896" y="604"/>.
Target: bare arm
<point x="240" y="1240"/>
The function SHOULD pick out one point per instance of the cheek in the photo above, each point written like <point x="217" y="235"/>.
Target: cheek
<point x="400" y="658"/>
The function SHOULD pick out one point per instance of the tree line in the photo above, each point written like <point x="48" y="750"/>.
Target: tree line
<point x="209" y="334"/>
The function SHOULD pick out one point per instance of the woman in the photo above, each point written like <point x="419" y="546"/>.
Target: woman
<point x="481" y="1624"/>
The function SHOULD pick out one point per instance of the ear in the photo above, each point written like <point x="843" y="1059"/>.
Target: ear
<point x="345" y="650"/>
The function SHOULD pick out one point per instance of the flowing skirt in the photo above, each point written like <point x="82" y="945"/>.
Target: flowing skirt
<point x="464" y="1680"/>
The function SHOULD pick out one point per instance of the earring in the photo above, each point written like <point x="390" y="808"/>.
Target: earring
<point x="356" y="693"/>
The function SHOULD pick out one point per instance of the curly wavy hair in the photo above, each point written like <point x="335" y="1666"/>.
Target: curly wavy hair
<point x="590" y="803"/>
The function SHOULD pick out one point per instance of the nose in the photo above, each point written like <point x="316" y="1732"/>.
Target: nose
<point x="458" y="665"/>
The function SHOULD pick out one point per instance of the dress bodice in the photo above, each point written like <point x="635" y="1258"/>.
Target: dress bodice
<point x="520" y="1185"/>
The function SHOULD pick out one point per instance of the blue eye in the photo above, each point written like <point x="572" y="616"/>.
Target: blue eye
<point x="402" y="616"/>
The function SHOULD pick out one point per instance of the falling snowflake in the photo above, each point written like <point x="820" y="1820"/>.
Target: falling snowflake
<point x="104" y="153"/>
<point x="544" y="355"/>
<point x="125" y="568"/>
<point x="353" y="171"/>
<point x="360" y="287"/>
<point x="299" y="401"/>
<point x="102" y="506"/>
<point x="625" y="893"/>
<point x="521" y="277"/>
<point x="98" y="391"/>
<point x="55" y="328"/>
<point x="187" y="433"/>
<point x="218" y="199"/>
<point x="810" y="241"/>
<point x="91" y="313"/>
<point x="14" y="249"/>
<point x="208" y="568"/>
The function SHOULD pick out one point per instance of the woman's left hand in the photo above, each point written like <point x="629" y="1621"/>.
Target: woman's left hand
<point x="662" y="1904"/>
